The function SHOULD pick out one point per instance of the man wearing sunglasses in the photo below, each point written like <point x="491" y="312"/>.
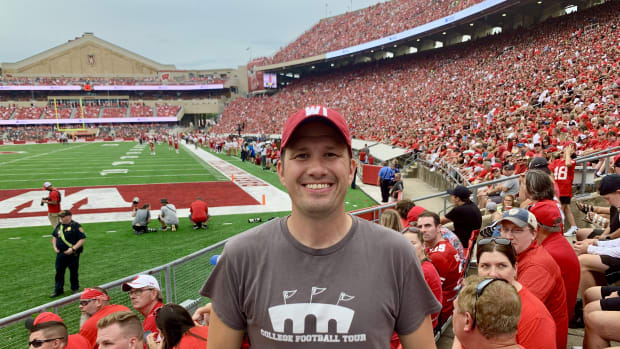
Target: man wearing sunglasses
<point x="48" y="335"/>
<point x="94" y="305"/>
<point x="486" y="314"/>
<point x="50" y="326"/>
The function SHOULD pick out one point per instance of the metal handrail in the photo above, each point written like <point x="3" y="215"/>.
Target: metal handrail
<point x="602" y="151"/>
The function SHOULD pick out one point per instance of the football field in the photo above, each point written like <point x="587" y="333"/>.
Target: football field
<point x="99" y="177"/>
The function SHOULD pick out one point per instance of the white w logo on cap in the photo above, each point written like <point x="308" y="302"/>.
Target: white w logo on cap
<point x="316" y="110"/>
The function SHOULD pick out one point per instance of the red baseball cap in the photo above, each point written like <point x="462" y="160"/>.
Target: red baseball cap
<point x="316" y="112"/>
<point x="414" y="213"/>
<point x="46" y="317"/>
<point x="548" y="215"/>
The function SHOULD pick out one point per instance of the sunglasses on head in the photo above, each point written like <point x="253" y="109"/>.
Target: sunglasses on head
<point x="479" y="289"/>
<point x="498" y="241"/>
<point x="39" y="342"/>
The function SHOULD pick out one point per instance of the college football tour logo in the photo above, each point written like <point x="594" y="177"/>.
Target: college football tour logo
<point x="323" y="313"/>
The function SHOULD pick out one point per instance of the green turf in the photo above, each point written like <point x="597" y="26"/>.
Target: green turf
<point x="81" y="164"/>
<point x="111" y="251"/>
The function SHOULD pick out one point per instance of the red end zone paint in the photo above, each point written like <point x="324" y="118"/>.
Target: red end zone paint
<point x="18" y="203"/>
<point x="10" y="152"/>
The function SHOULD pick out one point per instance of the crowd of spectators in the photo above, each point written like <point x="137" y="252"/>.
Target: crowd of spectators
<point x="367" y="24"/>
<point x="138" y="109"/>
<point x="553" y="84"/>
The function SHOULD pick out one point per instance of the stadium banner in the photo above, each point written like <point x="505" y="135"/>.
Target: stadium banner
<point x="255" y="80"/>
<point x="158" y="87"/>
<point x="461" y="15"/>
<point x="113" y="87"/>
<point x="39" y="88"/>
<point x="87" y="121"/>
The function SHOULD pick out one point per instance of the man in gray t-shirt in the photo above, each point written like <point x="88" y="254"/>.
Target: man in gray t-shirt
<point x="320" y="277"/>
<point x="511" y="186"/>
<point x="168" y="216"/>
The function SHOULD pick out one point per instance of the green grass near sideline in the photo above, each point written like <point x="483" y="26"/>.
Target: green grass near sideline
<point x="81" y="164"/>
<point x="111" y="252"/>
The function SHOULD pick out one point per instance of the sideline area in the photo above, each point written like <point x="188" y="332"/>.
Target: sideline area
<point x="275" y="199"/>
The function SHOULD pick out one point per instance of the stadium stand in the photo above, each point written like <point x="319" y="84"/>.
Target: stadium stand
<point x="167" y="110"/>
<point x="139" y="110"/>
<point x="28" y="113"/>
<point x="6" y="112"/>
<point x="365" y="25"/>
<point x="477" y="92"/>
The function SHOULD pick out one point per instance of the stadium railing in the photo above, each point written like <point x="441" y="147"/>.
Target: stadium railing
<point x="181" y="279"/>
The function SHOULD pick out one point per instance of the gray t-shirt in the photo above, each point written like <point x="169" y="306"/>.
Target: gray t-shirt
<point x="512" y="185"/>
<point x="169" y="214"/>
<point x="353" y="294"/>
<point x="141" y="218"/>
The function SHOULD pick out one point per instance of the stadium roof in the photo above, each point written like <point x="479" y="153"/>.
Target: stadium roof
<point x="80" y="48"/>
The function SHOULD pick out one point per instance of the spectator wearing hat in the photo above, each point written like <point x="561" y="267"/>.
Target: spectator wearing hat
<point x="550" y="238"/>
<point x="320" y="241"/>
<point x="536" y="269"/>
<point x="94" y="305"/>
<point x="465" y="215"/>
<point x="168" y="216"/>
<point x="67" y="240"/>
<point x="49" y="328"/>
<point x="53" y="203"/>
<point x="146" y="298"/>
<point x="120" y="330"/>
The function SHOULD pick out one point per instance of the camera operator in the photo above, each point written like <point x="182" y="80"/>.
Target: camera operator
<point x="53" y="203"/>
<point x="141" y="219"/>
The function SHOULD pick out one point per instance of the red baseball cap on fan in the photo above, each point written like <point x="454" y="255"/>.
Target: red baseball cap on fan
<point x="315" y="113"/>
<point x="548" y="215"/>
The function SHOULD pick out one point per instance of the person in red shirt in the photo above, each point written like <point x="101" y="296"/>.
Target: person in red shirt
<point x="549" y="228"/>
<point x="563" y="173"/>
<point x="480" y="304"/>
<point x="50" y="327"/>
<point x="537" y="270"/>
<point x="178" y="330"/>
<point x="120" y="330"/>
<point x="444" y="258"/>
<point x="199" y="213"/>
<point x="497" y="259"/>
<point x="431" y="275"/>
<point x="94" y="305"/>
<point x="146" y="298"/>
<point x="53" y="203"/>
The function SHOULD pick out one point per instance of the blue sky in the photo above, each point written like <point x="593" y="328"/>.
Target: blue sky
<point x="193" y="34"/>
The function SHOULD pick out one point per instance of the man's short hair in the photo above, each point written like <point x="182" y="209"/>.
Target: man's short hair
<point x="127" y="320"/>
<point x="428" y="213"/>
<point x="539" y="185"/>
<point x="52" y="329"/>
<point x="498" y="308"/>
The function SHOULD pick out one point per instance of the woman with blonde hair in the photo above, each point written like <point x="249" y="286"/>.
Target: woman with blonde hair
<point x="391" y="219"/>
